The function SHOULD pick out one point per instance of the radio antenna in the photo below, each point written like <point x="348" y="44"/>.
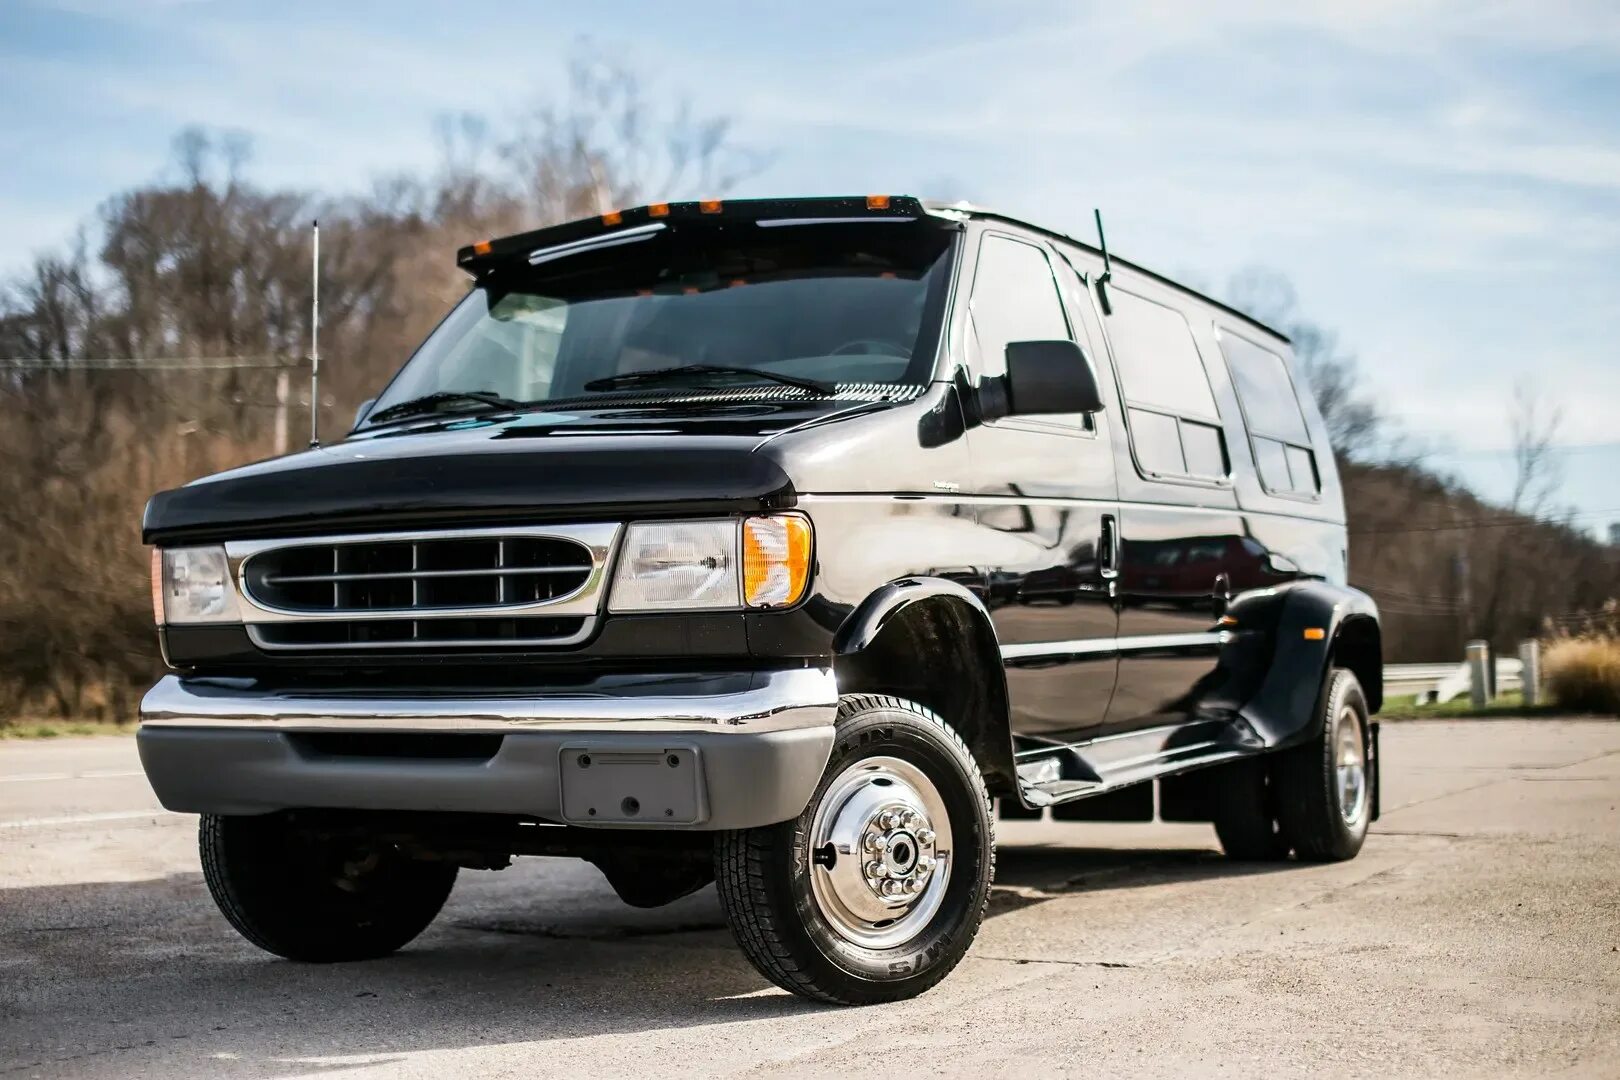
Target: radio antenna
<point x="315" y="338"/>
<point x="1107" y="274"/>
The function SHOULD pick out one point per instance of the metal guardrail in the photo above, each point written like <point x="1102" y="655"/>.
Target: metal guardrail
<point x="1442" y="682"/>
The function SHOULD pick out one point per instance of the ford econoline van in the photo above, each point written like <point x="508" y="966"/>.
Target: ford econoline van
<point x="779" y="544"/>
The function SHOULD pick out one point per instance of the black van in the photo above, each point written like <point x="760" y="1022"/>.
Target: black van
<point x="766" y="543"/>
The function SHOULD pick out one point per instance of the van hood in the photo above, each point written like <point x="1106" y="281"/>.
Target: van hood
<point x="531" y="467"/>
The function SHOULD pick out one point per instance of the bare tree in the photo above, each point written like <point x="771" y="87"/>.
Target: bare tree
<point x="606" y="146"/>
<point x="1533" y="423"/>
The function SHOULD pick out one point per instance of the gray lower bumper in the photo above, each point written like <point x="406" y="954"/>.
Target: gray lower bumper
<point x="705" y="751"/>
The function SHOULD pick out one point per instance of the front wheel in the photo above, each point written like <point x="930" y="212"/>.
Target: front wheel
<point x="876" y="890"/>
<point x="311" y="895"/>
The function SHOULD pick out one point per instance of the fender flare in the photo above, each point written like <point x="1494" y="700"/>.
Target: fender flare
<point x="985" y="722"/>
<point x="1316" y="621"/>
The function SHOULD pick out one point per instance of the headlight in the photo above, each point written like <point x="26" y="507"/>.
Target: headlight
<point x="713" y="565"/>
<point x="192" y="585"/>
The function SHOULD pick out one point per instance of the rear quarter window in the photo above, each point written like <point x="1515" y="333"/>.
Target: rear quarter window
<point x="1283" y="453"/>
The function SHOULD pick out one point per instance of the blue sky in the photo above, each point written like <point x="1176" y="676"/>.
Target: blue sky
<point x="1440" y="181"/>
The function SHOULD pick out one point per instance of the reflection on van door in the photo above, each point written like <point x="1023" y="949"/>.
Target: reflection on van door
<point x="1042" y="487"/>
<point x="1176" y="570"/>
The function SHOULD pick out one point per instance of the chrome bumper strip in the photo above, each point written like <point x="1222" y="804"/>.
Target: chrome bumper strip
<point x="741" y="702"/>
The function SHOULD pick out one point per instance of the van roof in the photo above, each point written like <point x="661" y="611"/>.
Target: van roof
<point x="477" y="259"/>
<point x="972" y="210"/>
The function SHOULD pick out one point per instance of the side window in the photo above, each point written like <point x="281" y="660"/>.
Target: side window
<point x="1170" y="410"/>
<point x="1015" y="298"/>
<point x="1282" y="445"/>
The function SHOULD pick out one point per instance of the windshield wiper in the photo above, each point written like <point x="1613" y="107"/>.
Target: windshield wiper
<point x="431" y="403"/>
<point x="657" y="375"/>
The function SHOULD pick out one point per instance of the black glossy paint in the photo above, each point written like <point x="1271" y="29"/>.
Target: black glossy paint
<point x="920" y="507"/>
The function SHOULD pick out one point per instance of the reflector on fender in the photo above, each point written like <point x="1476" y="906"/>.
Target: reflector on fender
<point x="776" y="560"/>
<point x="1315" y="633"/>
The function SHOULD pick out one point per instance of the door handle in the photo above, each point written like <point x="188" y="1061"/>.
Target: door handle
<point x="1108" y="548"/>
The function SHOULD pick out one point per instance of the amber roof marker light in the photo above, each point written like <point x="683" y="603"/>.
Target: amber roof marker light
<point x="877" y="202"/>
<point x="658" y="209"/>
<point x="710" y="206"/>
<point x="612" y="217"/>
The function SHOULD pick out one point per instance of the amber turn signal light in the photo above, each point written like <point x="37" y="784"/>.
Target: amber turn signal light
<point x="775" y="560"/>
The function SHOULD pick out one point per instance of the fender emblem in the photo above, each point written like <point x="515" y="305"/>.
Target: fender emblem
<point x="946" y="485"/>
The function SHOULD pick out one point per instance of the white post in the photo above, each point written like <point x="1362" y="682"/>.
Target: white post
<point x="282" y="390"/>
<point x="1530" y="674"/>
<point x="1479" y="676"/>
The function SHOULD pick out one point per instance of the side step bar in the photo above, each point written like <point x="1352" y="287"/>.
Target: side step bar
<point x="1057" y="775"/>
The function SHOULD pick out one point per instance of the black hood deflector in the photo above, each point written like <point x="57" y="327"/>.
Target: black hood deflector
<point x="365" y="484"/>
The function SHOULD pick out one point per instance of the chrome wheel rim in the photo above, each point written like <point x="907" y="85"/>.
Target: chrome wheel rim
<point x="1350" y="761"/>
<point x="880" y="852"/>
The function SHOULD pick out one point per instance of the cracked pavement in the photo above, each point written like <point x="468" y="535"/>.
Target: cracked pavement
<point x="1477" y="934"/>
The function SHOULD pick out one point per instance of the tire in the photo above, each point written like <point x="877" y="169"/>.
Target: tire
<point x="314" y="898"/>
<point x="801" y="910"/>
<point x="1246" y="812"/>
<point x="1324" y="794"/>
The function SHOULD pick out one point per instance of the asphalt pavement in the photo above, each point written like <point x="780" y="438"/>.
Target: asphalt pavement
<point x="1478" y="934"/>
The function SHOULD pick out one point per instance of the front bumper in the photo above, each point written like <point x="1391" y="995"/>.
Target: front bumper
<point x="701" y="751"/>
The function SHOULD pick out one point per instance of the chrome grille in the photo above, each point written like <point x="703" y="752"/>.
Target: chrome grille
<point x="501" y="587"/>
<point x="418" y="575"/>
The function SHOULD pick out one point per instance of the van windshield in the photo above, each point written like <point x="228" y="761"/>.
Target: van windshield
<point x="840" y="303"/>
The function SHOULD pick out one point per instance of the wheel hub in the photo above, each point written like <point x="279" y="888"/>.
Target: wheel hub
<point x="899" y="847"/>
<point x="890" y="852"/>
<point x="1350" y="761"/>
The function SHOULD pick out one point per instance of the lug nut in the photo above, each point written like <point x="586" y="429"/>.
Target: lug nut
<point x="869" y="841"/>
<point x="891" y="888"/>
<point x="924" y="865"/>
<point x="909" y="819"/>
<point x="880" y="843"/>
<point x="889" y="819"/>
<point x="925" y="836"/>
<point x="911" y="885"/>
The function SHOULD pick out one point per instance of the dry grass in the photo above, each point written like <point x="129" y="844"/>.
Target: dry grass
<point x="1584" y="673"/>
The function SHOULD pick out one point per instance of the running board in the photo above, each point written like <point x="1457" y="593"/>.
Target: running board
<point x="1051" y="776"/>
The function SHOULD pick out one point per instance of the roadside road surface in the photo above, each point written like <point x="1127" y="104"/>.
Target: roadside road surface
<point x="1477" y="934"/>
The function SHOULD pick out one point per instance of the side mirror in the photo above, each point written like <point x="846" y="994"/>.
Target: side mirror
<point x="360" y="413"/>
<point x="1050" y="377"/>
